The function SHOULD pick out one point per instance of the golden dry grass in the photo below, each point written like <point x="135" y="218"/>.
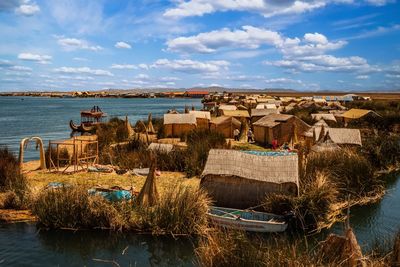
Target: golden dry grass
<point x="37" y="180"/>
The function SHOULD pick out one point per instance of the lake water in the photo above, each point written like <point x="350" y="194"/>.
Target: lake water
<point x="49" y="118"/>
<point x="23" y="245"/>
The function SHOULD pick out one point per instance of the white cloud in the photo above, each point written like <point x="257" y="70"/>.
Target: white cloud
<point x="83" y="70"/>
<point x="80" y="59"/>
<point x="375" y="32"/>
<point x="123" y="66"/>
<point x="123" y="45"/>
<point x="20" y="68"/>
<point x="74" y="44"/>
<point x="42" y="59"/>
<point x="266" y="8"/>
<point x="250" y="37"/>
<point x="324" y="63"/>
<point x="362" y="77"/>
<point x="27" y="9"/>
<point x="191" y="66"/>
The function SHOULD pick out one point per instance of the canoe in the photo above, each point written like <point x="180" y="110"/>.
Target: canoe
<point x="80" y="128"/>
<point x="247" y="220"/>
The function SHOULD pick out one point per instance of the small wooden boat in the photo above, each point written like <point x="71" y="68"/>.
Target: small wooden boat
<point x="89" y="118"/>
<point x="252" y="221"/>
<point x="81" y="127"/>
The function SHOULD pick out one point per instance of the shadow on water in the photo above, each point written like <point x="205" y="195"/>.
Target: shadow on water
<point x="79" y="248"/>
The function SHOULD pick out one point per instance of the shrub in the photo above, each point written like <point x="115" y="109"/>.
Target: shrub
<point x="236" y="248"/>
<point x="181" y="210"/>
<point x="382" y="150"/>
<point x="199" y="144"/>
<point x="72" y="207"/>
<point x="348" y="170"/>
<point x="11" y="178"/>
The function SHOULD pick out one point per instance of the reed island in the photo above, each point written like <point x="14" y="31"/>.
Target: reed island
<point x="248" y="177"/>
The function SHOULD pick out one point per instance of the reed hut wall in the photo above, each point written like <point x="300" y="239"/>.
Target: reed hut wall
<point x="281" y="131"/>
<point x="241" y="193"/>
<point x="203" y="123"/>
<point x="178" y="130"/>
<point x="226" y="127"/>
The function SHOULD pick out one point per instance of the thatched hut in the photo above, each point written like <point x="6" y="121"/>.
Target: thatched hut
<point x="345" y="136"/>
<point x="239" y="179"/>
<point x="257" y="114"/>
<point x="225" y="125"/>
<point x="202" y="118"/>
<point x="357" y="114"/>
<point x="176" y="125"/>
<point x="279" y="127"/>
<point x="323" y="116"/>
<point x="237" y="114"/>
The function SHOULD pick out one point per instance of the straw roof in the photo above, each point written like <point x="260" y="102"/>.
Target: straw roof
<point x="355" y="113"/>
<point x="263" y="112"/>
<point x="186" y="118"/>
<point x="224" y="119"/>
<point x="324" y="116"/>
<point x="148" y="195"/>
<point x="227" y="107"/>
<point x="236" y="113"/>
<point x="201" y="114"/>
<point x="241" y="107"/>
<point x="321" y="123"/>
<point x="161" y="147"/>
<point x="274" y="169"/>
<point x="345" y="136"/>
<point x="266" y="106"/>
<point x="272" y="120"/>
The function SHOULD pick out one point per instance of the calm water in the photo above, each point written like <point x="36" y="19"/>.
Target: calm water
<point x="49" y="118"/>
<point x="24" y="245"/>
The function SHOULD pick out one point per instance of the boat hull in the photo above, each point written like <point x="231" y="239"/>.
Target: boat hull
<point x="271" y="223"/>
<point x="80" y="128"/>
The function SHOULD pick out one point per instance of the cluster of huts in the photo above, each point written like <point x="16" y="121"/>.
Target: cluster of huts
<point x="240" y="179"/>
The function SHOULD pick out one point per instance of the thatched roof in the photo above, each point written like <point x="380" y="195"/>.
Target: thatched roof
<point x="324" y="116"/>
<point x="266" y="106"/>
<point x="186" y="118"/>
<point x="227" y="107"/>
<point x="355" y="113"/>
<point x="224" y="119"/>
<point x="272" y="120"/>
<point x="266" y="168"/>
<point x="161" y="147"/>
<point x="263" y="112"/>
<point x="236" y="113"/>
<point x="345" y="136"/>
<point x="201" y="114"/>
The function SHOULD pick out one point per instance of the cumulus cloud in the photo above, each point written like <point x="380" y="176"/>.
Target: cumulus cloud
<point x="250" y="37"/>
<point x="266" y="8"/>
<point x="42" y="59"/>
<point x="27" y="9"/>
<point x="83" y="70"/>
<point x="123" y="66"/>
<point x="209" y="42"/>
<point x="191" y="66"/>
<point x="123" y="45"/>
<point x="74" y="44"/>
<point x="323" y="63"/>
<point x="20" y="68"/>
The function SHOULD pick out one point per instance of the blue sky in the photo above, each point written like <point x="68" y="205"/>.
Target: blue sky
<point x="305" y="44"/>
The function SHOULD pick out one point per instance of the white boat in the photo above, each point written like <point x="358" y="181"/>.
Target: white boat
<point x="248" y="220"/>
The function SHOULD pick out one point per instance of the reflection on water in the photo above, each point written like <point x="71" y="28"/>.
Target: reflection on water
<point x="378" y="222"/>
<point x="23" y="245"/>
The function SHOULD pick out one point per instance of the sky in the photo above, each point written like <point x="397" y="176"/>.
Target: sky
<point x="307" y="45"/>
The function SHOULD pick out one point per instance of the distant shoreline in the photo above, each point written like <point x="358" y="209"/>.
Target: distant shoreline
<point x="283" y="93"/>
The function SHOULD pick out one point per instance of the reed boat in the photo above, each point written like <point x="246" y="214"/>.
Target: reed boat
<point x="89" y="118"/>
<point x="248" y="220"/>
